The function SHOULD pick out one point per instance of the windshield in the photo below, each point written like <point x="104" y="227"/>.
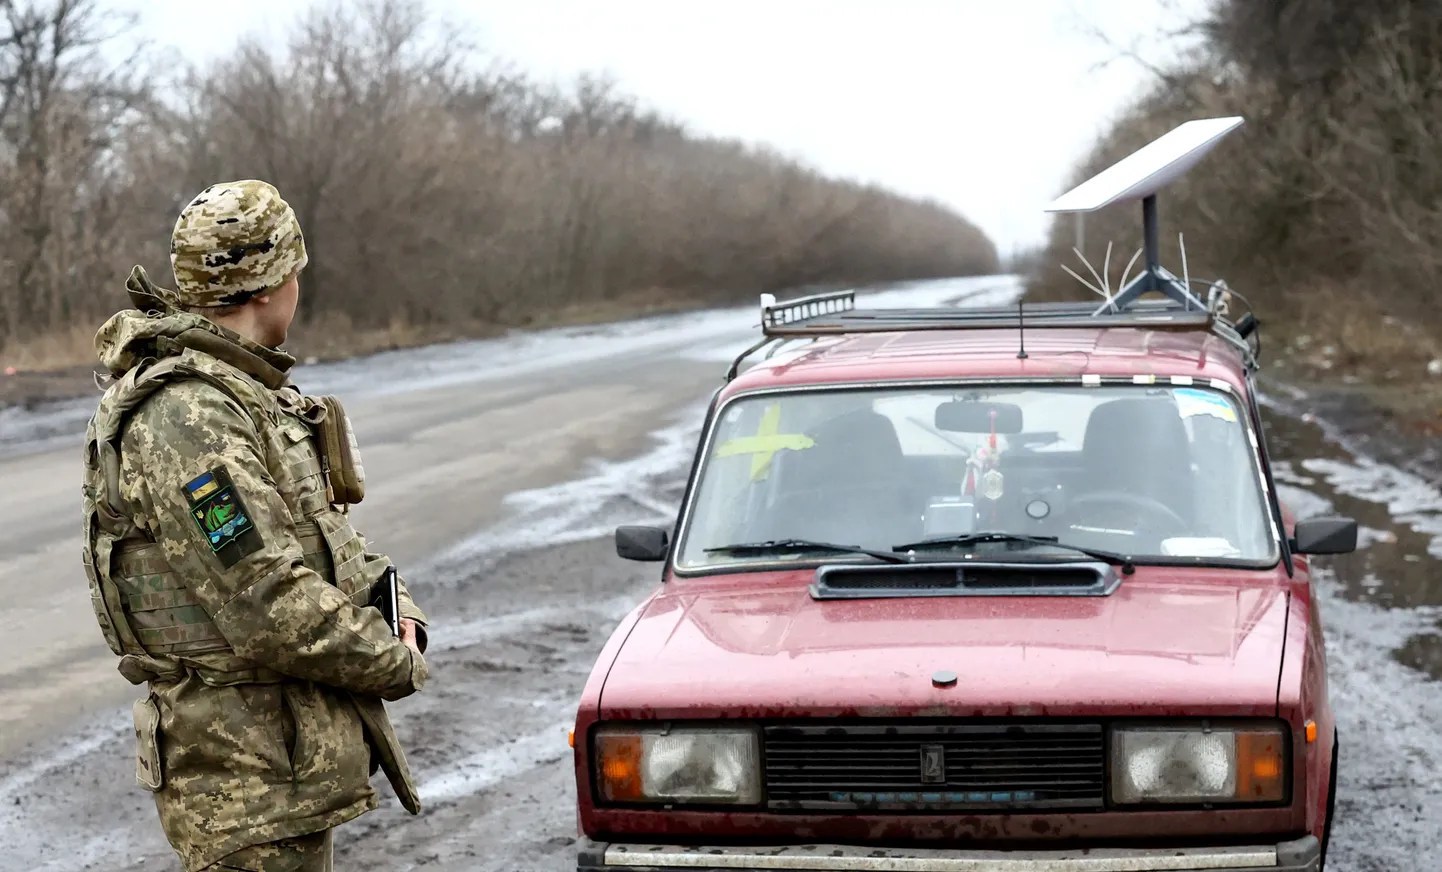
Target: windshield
<point x="1147" y="471"/>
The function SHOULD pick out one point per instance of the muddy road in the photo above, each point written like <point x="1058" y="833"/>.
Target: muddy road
<point x="497" y="471"/>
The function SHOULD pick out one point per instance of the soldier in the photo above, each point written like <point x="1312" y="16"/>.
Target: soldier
<point x="222" y="567"/>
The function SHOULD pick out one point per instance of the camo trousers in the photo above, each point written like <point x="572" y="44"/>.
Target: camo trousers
<point x="309" y="853"/>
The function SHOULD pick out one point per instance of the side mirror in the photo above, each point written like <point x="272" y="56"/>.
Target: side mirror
<point x="642" y="543"/>
<point x="1325" y="536"/>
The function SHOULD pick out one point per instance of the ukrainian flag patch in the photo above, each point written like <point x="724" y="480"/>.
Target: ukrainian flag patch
<point x="222" y="518"/>
<point x="199" y="488"/>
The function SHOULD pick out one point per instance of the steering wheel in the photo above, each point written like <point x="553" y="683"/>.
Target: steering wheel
<point x="1140" y="503"/>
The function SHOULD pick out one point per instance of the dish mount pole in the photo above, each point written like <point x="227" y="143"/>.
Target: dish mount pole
<point x="1155" y="277"/>
<point x="1151" y="239"/>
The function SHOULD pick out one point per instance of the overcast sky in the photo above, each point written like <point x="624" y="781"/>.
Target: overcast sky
<point x="982" y="104"/>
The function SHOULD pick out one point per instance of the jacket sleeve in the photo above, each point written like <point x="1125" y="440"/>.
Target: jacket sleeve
<point x="197" y="463"/>
<point x="409" y="609"/>
<point x="376" y="563"/>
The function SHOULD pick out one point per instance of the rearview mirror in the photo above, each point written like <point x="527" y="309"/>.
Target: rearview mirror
<point x="648" y="544"/>
<point x="1325" y="536"/>
<point x="969" y="416"/>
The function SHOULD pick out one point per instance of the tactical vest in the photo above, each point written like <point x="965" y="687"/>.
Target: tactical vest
<point x="145" y="611"/>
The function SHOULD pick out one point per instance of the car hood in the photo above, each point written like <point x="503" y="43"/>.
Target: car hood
<point x="1166" y="642"/>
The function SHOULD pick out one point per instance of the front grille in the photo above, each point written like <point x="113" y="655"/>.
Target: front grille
<point x="912" y="767"/>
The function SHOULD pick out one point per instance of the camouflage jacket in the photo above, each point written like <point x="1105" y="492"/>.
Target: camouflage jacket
<point x="227" y="579"/>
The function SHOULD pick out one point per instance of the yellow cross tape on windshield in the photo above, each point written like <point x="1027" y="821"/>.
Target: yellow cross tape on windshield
<point x="765" y="443"/>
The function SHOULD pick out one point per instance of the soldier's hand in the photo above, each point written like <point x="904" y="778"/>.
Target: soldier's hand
<point x="408" y="634"/>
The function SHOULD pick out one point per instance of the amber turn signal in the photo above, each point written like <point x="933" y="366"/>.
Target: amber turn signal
<point x="618" y="756"/>
<point x="1260" y="767"/>
<point x="1311" y="732"/>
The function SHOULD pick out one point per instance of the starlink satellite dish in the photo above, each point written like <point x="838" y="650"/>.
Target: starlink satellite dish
<point x="1139" y="176"/>
<point x="1146" y="171"/>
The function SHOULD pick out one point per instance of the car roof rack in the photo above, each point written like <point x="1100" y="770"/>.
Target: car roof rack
<point x="1139" y="176"/>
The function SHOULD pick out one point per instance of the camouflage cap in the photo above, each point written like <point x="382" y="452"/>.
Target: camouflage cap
<point x="232" y="241"/>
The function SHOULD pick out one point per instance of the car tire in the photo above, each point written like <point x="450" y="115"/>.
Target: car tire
<point x="1331" y="803"/>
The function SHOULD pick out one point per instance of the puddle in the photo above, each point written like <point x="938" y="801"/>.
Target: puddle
<point x="1399" y="554"/>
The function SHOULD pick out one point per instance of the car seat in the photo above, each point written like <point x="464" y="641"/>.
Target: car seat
<point x="849" y="488"/>
<point x="1139" y="445"/>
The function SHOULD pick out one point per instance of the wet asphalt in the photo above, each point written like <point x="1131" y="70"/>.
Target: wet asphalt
<point x="522" y="603"/>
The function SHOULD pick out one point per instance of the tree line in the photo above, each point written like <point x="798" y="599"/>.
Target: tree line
<point x="1325" y="209"/>
<point x="437" y="186"/>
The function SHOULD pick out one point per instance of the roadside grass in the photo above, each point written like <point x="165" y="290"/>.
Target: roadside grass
<point x="1337" y="340"/>
<point x="51" y="351"/>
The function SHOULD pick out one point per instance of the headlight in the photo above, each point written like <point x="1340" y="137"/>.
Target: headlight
<point x="680" y="764"/>
<point x="1190" y="764"/>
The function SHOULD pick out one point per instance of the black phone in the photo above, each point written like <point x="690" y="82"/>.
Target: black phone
<point x="387" y="598"/>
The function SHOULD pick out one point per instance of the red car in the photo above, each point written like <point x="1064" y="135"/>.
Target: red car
<point x="972" y="589"/>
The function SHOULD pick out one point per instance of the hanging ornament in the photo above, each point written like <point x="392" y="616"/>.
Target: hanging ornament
<point x="991" y="484"/>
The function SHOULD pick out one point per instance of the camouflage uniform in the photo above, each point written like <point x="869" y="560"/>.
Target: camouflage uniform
<point x="223" y="569"/>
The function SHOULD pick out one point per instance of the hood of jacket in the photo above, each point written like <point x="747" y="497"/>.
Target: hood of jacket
<point x="131" y="336"/>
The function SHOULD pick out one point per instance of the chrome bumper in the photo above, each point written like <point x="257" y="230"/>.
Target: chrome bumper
<point x="1302" y="855"/>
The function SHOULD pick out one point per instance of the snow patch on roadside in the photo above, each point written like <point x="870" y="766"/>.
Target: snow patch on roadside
<point x="26" y="796"/>
<point x="465" y="635"/>
<point x="47" y="427"/>
<point x="614" y="493"/>
<point x="1302" y="502"/>
<point x="501" y="763"/>
<point x="1389" y="721"/>
<point x="1409" y="499"/>
<point x="1389" y="715"/>
<point x="106" y="728"/>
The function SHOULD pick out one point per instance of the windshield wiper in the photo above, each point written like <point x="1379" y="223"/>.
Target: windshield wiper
<point x="1110" y="557"/>
<point x="779" y="545"/>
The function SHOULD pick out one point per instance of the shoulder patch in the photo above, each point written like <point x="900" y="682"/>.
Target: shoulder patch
<point x="222" y="517"/>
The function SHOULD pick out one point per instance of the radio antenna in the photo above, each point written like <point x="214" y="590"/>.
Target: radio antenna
<point x="1021" y="331"/>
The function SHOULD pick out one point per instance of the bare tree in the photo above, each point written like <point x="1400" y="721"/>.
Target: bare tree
<point x="1330" y="200"/>
<point x="441" y="191"/>
<point x="61" y="108"/>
